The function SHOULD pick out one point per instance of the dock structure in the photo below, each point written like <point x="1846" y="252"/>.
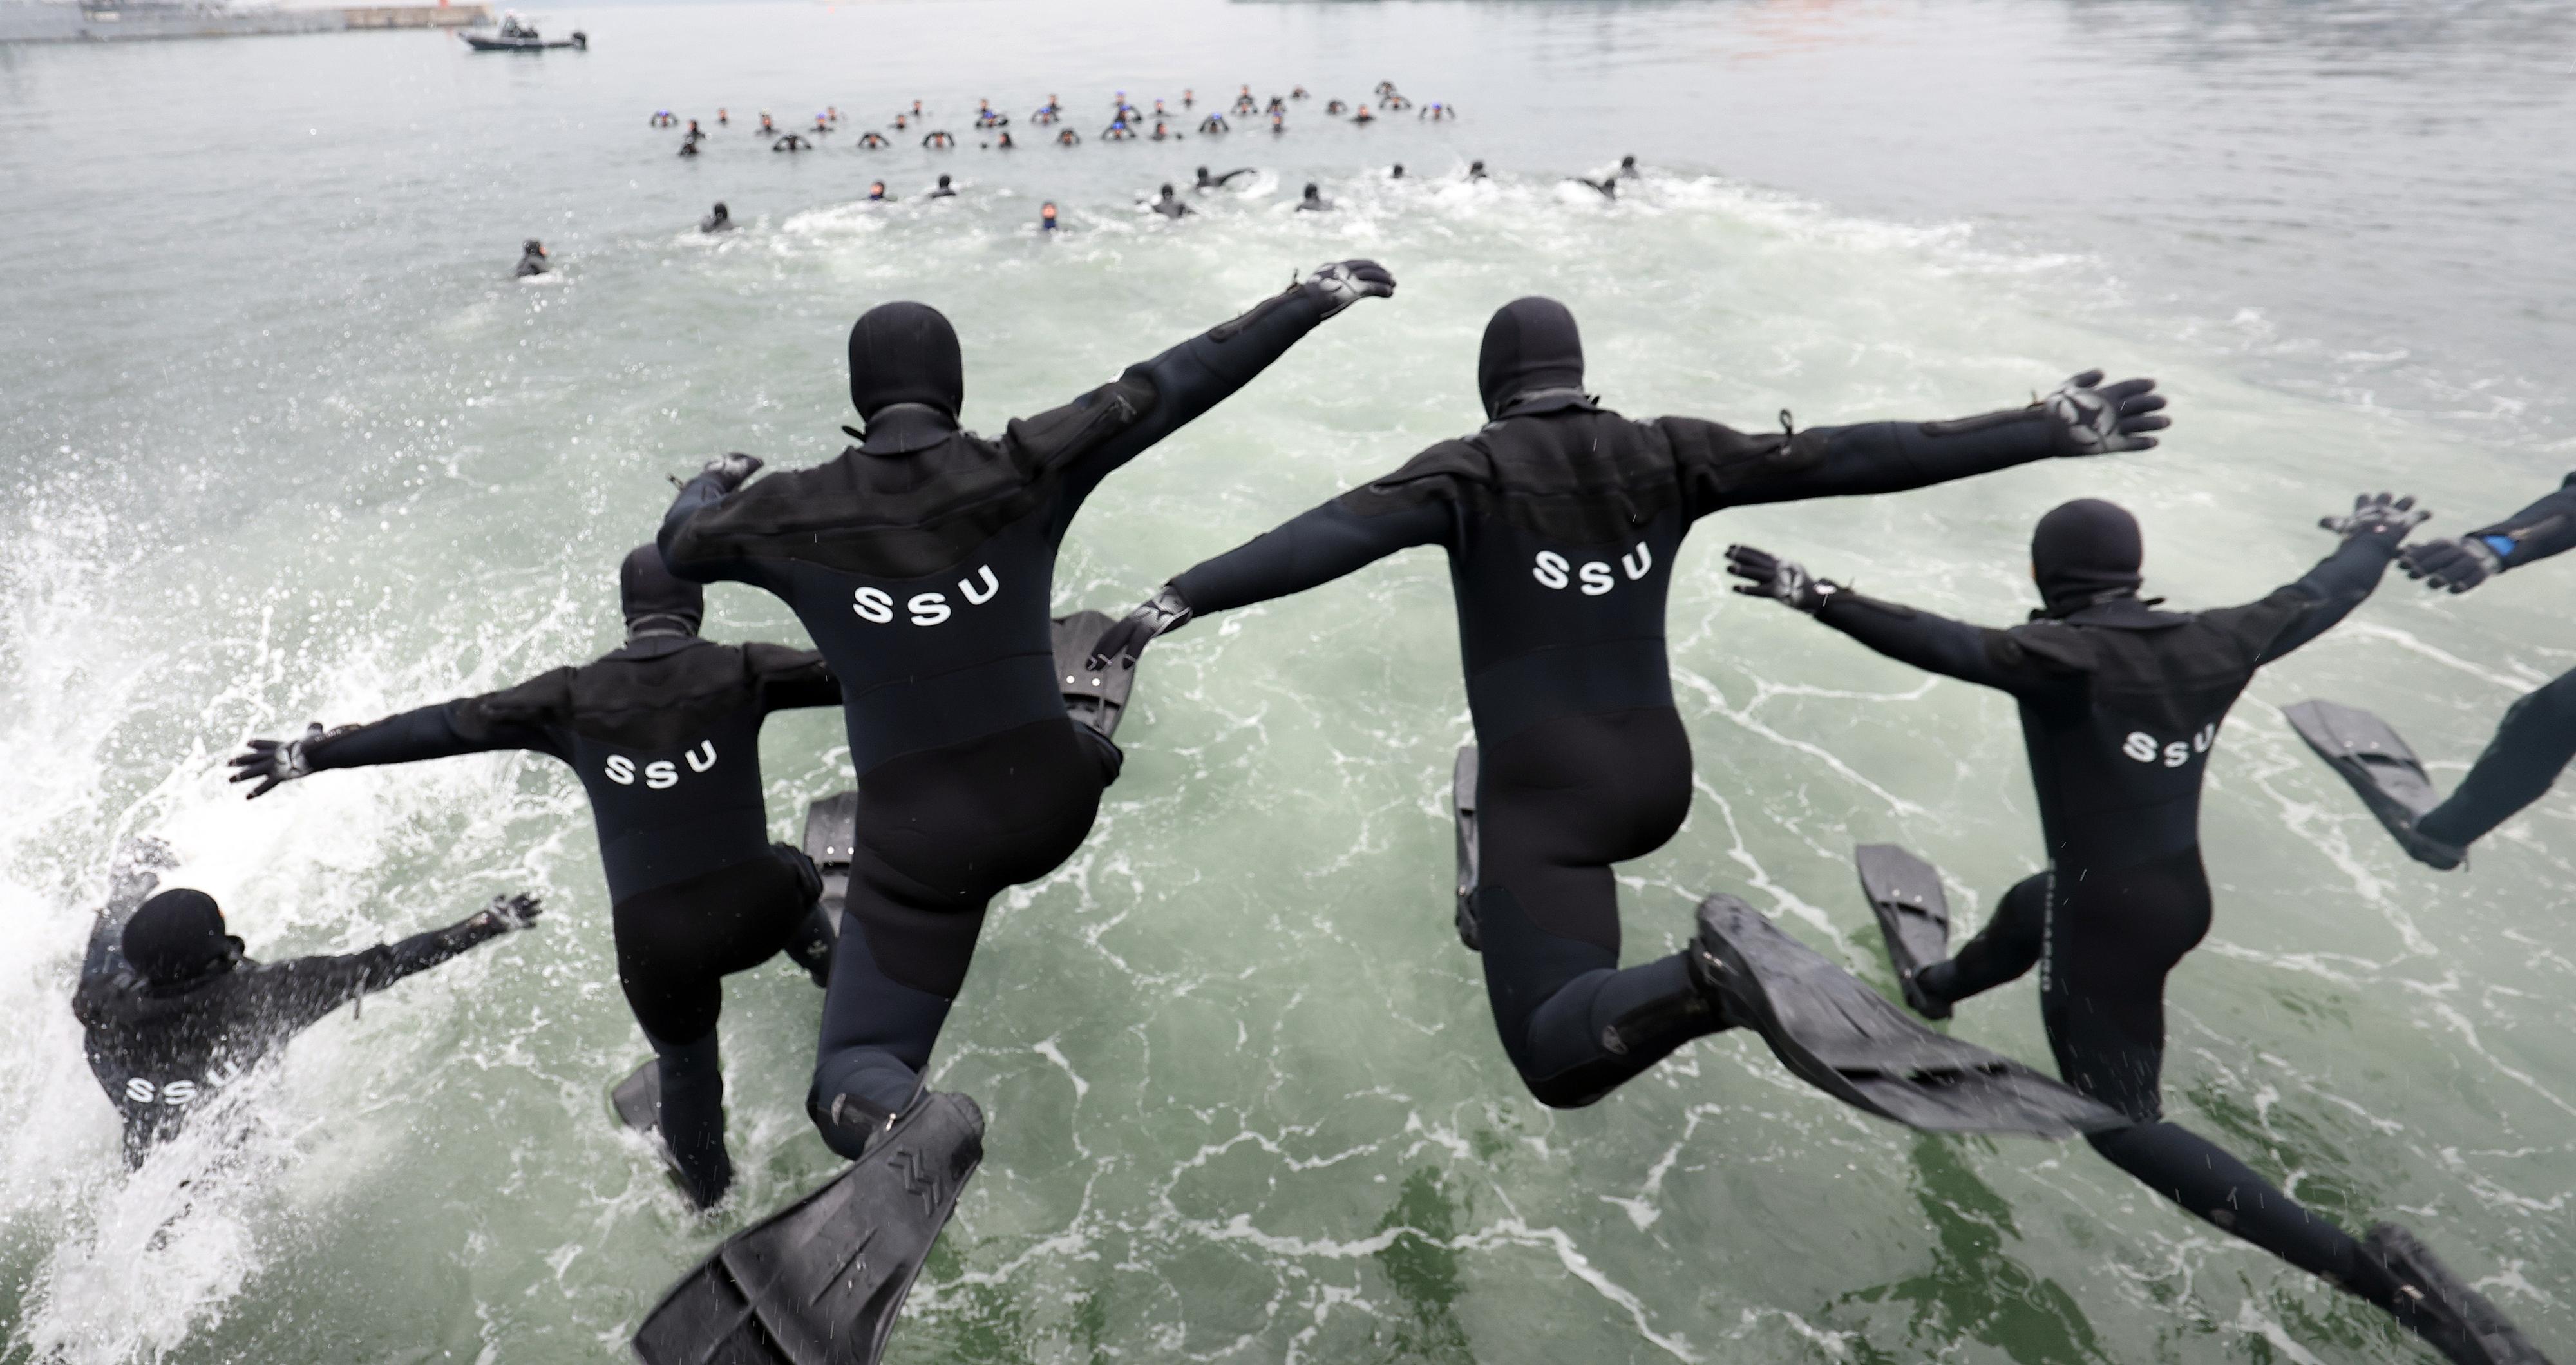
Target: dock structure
<point x="105" y="21"/>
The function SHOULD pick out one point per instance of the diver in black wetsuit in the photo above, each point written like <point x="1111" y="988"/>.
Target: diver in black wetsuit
<point x="1476" y="171"/>
<point x="922" y="560"/>
<point x="664" y="732"/>
<point x="1214" y="125"/>
<point x="718" y="219"/>
<point x="532" y="258"/>
<point x="2538" y="736"/>
<point x="2120" y="707"/>
<point x="1169" y="205"/>
<point x="942" y="190"/>
<point x="1561" y="521"/>
<point x="1208" y="182"/>
<point x="793" y="142"/>
<point x="172" y="1012"/>
<point x="1314" y="200"/>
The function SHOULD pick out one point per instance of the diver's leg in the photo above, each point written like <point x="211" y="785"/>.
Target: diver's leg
<point x="2529" y="750"/>
<point x="2102" y="998"/>
<point x="675" y="991"/>
<point x="2007" y="947"/>
<point x="1558" y="804"/>
<point x="692" y="1114"/>
<point x="900" y="961"/>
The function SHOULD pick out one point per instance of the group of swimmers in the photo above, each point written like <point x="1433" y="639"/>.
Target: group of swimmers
<point x="920" y="561"/>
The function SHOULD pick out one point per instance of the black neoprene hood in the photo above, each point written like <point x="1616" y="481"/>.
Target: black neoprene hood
<point x="654" y="598"/>
<point x="1530" y="344"/>
<point x="2084" y="551"/>
<point x="176" y="935"/>
<point x="905" y="353"/>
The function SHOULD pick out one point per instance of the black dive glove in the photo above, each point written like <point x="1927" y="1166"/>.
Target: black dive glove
<point x="506" y="914"/>
<point x="1343" y="283"/>
<point x="2457" y="565"/>
<point x="2383" y="517"/>
<point x="1165" y="612"/>
<point x="271" y="763"/>
<point x="2108" y="419"/>
<point x="732" y="469"/>
<point x="1768" y="575"/>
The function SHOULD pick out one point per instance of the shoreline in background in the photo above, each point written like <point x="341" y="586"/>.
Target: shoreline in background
<point x="37" y="21"/>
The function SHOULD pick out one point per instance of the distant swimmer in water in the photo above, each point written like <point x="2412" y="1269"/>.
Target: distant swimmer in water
<point x="1628" y="169"/>
<point x="942" y="190"/>
<point x="1163" y="134"/>
<point x="1278" y="123"/>
<point x="723" y="119"/>
<point x="1169" y="205"/>
<point x="938" y="139"/>
<point x="791" y="143"/>
<point x="1397" y="173"/>
<point x="873" y="140"/>
<point x="1189" y="99"/>
<point x="822" y="125"/>
<point x="877" y="193"/>
<point x="1047" y="113"/>
<point x="900" y="124"/>
<point x="1244" y="103"/>
<point x="767" y="128"/>
<point x="688" y="148"/>
<point x="172" y="1012"/>
<point x="1363" y="115"/>
<point x="532" y="258"/>
<point x="1277" y="105"/>
<point x="832" y="111"/>
<point x="694" y="134"/>
<point x="1476" y="171"/>
<point x="1004" y="144"/>
<point x="1395" y="103"/>
<point x="1046" y="216"/>
<point x="1218" y="182"/>
<point x="1437" y="112"/>
<point x="1609" y="188"/>
<point x="718" y="219"/>
<point x="1117" y="132"/>
<point x="1384" y="89"/>
<point x="1159" y="112"/>
<point x="664" y="118"/>
<point x="664" y="734"/>
<point x="1336" y="108"/>
<point x="1068" y="138"/>
<point x="1314" y="202"/>
<point x="916" y="108"/>
<point x="1214" y="125"/>
<point x="1297" y="92"/>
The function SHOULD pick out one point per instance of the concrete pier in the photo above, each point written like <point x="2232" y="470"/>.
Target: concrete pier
<point x="94" y="21"/>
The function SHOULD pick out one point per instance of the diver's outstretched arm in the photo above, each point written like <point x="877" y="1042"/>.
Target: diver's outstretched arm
<point x="304" y="989"/>
<point x="468" y="725"/>
<point x="1725" y="468"/>
<point x="2299" y="612"/>
<point x="716" y="479"/>
<point x="1203" y="371"/>
<point x="2545" y="528"/>
<point x="1936" y="644"/>
<point x="1308" y="551"/>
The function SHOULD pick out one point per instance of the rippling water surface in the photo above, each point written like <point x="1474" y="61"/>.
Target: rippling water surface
<point x="283" y="442"/>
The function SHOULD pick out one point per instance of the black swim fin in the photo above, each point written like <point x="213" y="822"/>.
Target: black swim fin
<point x="2454" y="1318"/>
<point x="2381" y="769"/>
<point x="1093" y="697"/>
<point x="1845" y="1039"/>
<point x="831" y="840"/>
<point x="821" y="1281"/>
<point x="1913" y="916"/>
<point x="1462" y="795"/>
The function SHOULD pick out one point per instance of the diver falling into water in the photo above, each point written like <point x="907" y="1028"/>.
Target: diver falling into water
<point x="172" y="1012"/>
<point x="1561" y="521"/>
<point x="2530" y="749"/>
<point x="664" y="733"/>
<point x="922" y="561"/>
<point x="2120" y="706"/>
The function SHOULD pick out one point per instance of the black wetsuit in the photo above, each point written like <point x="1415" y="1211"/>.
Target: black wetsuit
<point x="160" y="1053"/>
<point x="1561" y="525"/>
<point x="2120" y="707"/>
<point x="665" y="736"/>
<point x="922" y="561"/>
<point x="2538" y="735"/>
